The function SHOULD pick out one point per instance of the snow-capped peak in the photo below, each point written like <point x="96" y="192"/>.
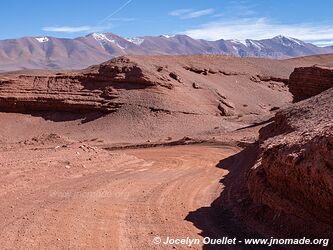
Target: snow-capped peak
<point x="288" y="41"/>
<point x="42" y="39"/>
<point x="254" y="43"/>
<point x="295" y="40"/>
<point x="103" y="39"/>
<point x="280" y="37"/>
<point x="168" y="36"/>
<point x="236" y="41"/>
<point x="135" y="40"/>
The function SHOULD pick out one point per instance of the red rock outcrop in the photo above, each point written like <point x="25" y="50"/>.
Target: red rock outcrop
<point x="309" y="81"/>
<point x="55" y="92"/>
<point x="294" y="173"/>
<point x="93" y="89"/>
<point x="162" y="83"/>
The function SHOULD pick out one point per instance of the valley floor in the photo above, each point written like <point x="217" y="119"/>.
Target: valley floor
<point x="82" y="197"/>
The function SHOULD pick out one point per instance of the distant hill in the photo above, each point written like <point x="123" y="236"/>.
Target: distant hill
<point x="63" y="53"/>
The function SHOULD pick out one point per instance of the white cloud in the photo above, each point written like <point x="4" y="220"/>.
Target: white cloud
<point x="199" y="13"/>
<point x="180" y="12"/>
<point x="323" y="43"/>
<point x="190" y="13"/>
<point x="259" y="28"/>
<point x="237" y="9"/>
<point x="75" y="29"/>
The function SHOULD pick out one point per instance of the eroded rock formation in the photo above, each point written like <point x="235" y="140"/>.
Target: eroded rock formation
<point x="294" y="173"/>
<point x="93" y="89"/>
<point x="309" y="81"/>
<point x="163" y="83"/>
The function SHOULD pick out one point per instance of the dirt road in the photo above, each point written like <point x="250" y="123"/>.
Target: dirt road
<point x="80" y="197"/>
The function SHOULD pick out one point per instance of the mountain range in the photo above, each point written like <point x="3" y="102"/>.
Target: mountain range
<point x="63" y="53"/>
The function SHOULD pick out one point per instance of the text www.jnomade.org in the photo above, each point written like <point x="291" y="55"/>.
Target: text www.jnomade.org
<point x="234" y="241"/>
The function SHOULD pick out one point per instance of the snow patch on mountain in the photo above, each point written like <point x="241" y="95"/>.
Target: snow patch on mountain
<point x="288" y="41"/>
<point x="168" y="36"/>
<point x="135" y="40"/>
<point x="238" y="42"/>
<point x="118" y="45"/>
<point x="254" y="44"/>
<point x="103" y="39"/>
<point x="235" y="48"/>
<point x="42" y="39"/>
<point x="295" y="40"/>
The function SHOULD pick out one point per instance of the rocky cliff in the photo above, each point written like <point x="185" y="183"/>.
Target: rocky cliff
<point x="93" y="89"/>
<point x="294" y="172"/>
<point x="197" y="85"/>
<point x="309" y="81"/>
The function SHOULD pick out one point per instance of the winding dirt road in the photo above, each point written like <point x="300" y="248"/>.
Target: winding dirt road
<point x="80" y="197"/>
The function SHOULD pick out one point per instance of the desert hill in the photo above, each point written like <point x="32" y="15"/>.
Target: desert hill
<point x="147" y="97"/>
<point x="150" y="96"/>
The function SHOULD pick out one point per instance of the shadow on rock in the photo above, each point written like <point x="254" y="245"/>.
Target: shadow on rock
<point x="220" y="220"/>
<point x="67" y="116"/>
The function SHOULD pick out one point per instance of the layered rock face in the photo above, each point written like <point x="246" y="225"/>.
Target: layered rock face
<point x="294" y="172"/>
<point x="197" y="85"/>
<point x="94" y="89"/>
<point x="309" y="81"/>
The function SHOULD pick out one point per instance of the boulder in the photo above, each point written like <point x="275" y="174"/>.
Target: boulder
<point x="305" y="82"/>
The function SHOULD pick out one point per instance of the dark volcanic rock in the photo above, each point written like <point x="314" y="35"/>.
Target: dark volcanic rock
<point x="309" y="81"/>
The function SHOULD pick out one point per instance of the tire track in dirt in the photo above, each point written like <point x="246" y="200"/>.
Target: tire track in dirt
<point x="114" y="202"/>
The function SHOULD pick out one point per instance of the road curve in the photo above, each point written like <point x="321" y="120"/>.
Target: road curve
<point x="83" y="198"/>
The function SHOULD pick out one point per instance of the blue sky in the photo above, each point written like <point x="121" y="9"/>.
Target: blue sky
<point x="209" y="19"/>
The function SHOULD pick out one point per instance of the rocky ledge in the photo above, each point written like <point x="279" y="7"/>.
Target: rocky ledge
<point x="93" y="89"/>
<point x="309" y="81"/>
<point x="294" y="172"/>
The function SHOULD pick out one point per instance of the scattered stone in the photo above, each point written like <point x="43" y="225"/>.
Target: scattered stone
<point x="212" y="71"/>
<point x="224" y="111"/>
<point x="229" y="73"/>
<point x="194" y="69"/>
<point x="254" y="79"/>
<point x="195" y="85"/>
<point x="174" y="76"/>
<point x="159" y="69"/>
<point x="274" y="108"/>
<point x="227" y="103"/>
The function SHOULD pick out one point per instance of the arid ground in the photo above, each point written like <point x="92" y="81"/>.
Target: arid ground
<point x="117" y="154"/>
<point x="84" y="198"/>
